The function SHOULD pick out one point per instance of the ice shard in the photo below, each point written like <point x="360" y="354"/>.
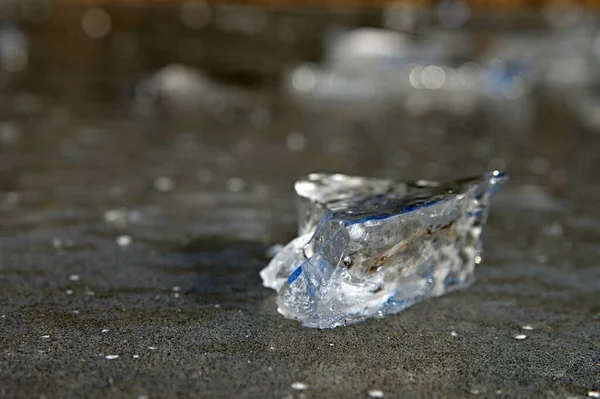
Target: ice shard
<point x="371" y="247"/>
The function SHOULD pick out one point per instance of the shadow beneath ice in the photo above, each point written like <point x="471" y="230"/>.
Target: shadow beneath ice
<point x="218" y="271"/>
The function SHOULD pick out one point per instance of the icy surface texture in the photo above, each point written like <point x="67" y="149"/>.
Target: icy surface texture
<point x="371" y="247"/>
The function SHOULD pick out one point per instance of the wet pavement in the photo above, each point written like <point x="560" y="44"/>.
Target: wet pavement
<point x="139" y="198"/>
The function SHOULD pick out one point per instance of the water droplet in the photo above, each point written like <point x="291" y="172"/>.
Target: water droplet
<point x="164" y="184"/>
<point x="299" y="386"/>
<point x="236" y="184"/>
<point x="124" y="240"/>
<point x="527" y="327"/>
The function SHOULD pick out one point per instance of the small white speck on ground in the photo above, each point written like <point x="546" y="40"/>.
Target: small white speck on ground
<point x="498" y="391"/>
<point x="124" y="240"/>
<point x="117" y="217"/>
<point x="164" y="184"/>
<point x="593" y="394"/>
<point x="3" y="316"/>
<point x="76" y="312"/>
<point x="527" y="327"/>
<point x="553" y="230"/>
<point x="299" y="386"/>
<point x="45" y="336"/>
<point x="176" y="295"/>
<point x="90" y="293"/>
<point x="541" y="259"/>
<point x="69" y="292"/>
<point x="235" y="184"/>
<point x="176" y="288"/>
<point x="474" y="391"/>
<point x="272" y="348"/>
<point x="217" y="306"/>
<point x="520" y="336"/>
<point x="152" y="348"/>
<point x="375" y="393"/>
<point x="136" y="356"/>
<point x="104" y="330"/>
<point x="111" y="357"/>
<point x="248" y="361"/>
<point x="56" y="243"/>
<point x="74" y="277"/>
<point x="454" y="333"/>
<point x="330" y="344"/>
<point x="143" y="397"/>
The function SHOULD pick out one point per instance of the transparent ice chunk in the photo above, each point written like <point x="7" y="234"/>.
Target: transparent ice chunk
<point x="371" y="247"/>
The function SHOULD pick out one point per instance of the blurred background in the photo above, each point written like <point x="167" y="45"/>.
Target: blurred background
<point x="148" y="152"/>
<point x="204" y="113"/>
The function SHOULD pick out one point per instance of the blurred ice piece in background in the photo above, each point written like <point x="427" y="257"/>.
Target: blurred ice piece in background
<point x="184" y="89"/>
<point x="13" y="49"/>
<point x="550" y="59"/>
<point x="507" y="87"/>
<point x="379" y="67"/>
<point x="365" y="48"/>
<point x="523" y="51"/>
<point x="360" y="65"/>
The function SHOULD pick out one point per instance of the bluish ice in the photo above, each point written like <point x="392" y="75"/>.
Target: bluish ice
<point x="370" y="247"/>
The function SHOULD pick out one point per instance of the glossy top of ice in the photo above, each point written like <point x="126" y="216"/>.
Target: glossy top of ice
<point x="355" y="198"/>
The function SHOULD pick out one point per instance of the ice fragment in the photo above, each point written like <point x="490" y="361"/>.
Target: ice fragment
<point x="370" y="247"/>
